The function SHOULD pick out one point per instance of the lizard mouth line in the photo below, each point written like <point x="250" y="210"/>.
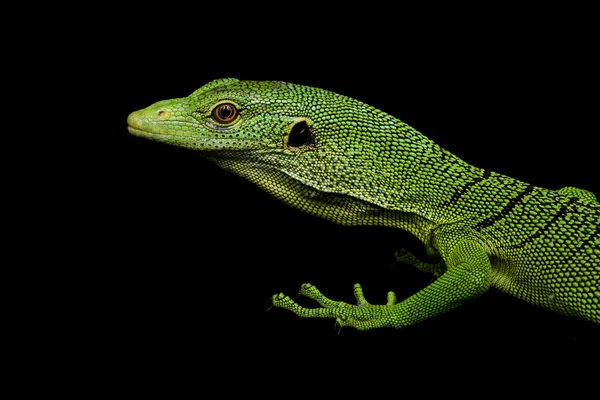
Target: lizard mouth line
<point x="137" y="131"/>
<point x="131" y="129"/>
<point x="141" y="132"/>
<point x="145" y="133"/>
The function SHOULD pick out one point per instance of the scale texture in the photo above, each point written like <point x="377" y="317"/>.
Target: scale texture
<point x="340" y="159"/>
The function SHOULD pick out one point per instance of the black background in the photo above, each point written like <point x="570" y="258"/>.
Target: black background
<point x="189" y="254"/>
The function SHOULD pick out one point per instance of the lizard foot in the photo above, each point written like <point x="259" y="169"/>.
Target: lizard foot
<point x="361" y="316"/>
<point x="405" y="256"/>
<point x="436" y="268"/>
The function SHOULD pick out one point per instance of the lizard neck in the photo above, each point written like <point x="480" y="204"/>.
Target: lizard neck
<point x="438" y="184"/>
<point x="411" y="196"/>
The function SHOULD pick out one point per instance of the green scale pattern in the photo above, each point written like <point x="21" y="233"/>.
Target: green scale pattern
<point x="340" y="159"/>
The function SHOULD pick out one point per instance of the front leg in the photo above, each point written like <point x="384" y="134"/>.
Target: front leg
<point x="468" y="276"/>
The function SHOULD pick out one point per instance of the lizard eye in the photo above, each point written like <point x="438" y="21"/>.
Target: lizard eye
<point x="225" y="113"/>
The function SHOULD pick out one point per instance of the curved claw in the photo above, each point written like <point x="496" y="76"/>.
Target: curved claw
<point x="269" y="304"/>
<point x="338" y="326"/>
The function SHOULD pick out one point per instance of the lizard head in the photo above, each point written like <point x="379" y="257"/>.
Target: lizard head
<point x="284" y="137"/>
<point x="228" y="115"/>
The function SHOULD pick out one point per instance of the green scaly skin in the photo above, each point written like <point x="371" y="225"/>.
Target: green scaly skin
<point x="342" y="160"/>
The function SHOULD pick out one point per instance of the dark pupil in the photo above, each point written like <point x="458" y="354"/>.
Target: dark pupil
<point x="225" y="112"/>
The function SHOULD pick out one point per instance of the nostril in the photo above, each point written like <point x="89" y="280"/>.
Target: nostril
<point x="163" y="114"/>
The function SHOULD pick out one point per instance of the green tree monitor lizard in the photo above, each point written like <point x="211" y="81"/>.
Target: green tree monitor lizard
<point x="345" y="161"/>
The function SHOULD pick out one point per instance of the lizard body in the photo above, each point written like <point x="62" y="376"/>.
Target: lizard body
<point x="340" y="159"/>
